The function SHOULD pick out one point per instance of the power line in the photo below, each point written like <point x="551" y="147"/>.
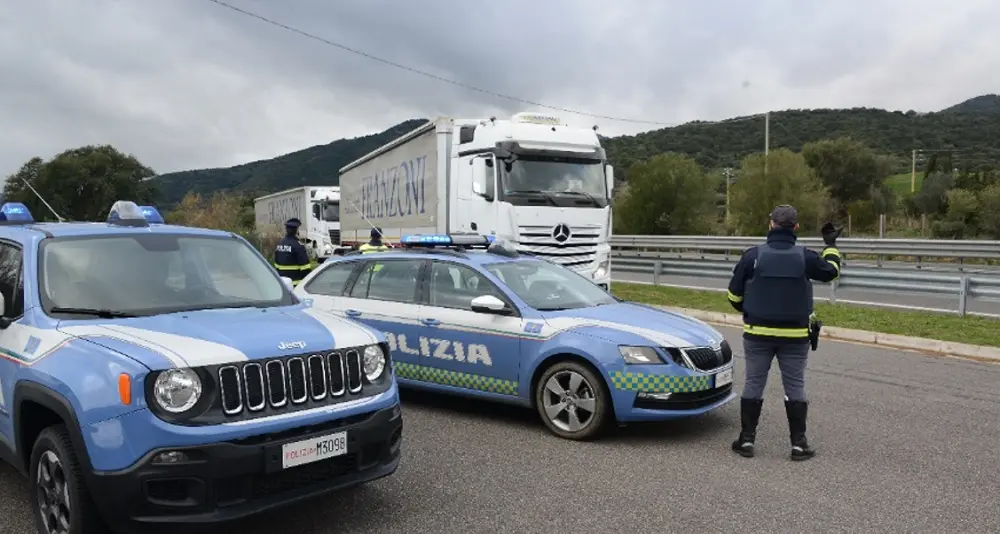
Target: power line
<point x="448" y="80"/>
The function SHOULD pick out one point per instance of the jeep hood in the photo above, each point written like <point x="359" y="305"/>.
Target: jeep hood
<point x="214" y="337"/>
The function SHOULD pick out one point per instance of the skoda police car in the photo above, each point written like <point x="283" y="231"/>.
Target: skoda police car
<point x="157" y="374"/>
<point x="516" y="328"/>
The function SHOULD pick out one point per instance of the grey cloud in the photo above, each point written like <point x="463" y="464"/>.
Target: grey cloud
<point x="186" y="83"/>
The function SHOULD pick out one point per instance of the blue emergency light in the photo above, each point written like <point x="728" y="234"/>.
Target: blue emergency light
<point x="126" y="213"/>
<point x="457" y="240"/>
<point x="151" y="214"/>
<point x="15" y="213"/>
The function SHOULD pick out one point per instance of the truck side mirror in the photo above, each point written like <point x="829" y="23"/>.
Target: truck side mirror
<point x="482" y="178"/>
<point x="4" y="321"/>
<point x="609" y="177"/>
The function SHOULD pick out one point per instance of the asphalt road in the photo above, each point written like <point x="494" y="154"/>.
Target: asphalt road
<point x="904" y="445"/>
<point x="822" y="291"/>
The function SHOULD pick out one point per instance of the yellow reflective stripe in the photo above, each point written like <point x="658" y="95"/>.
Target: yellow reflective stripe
<point x="734" y="298"/>
<point x="295" y="282"/>
<point x="831" y="251"/>
<point x="775" y="332"/>
<point x="305" y="267"/>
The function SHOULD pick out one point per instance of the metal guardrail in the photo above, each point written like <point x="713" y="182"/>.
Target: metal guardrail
<point x="913" y="248"/>
<point x="962" y="287"/>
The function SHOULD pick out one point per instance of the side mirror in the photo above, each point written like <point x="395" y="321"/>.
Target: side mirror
<point x="482" y="176"/>
<point x="609" y="177"/>
<point x="288" y="283"/>
<point x="489" y="304"/>
<point x="4" y="321"/>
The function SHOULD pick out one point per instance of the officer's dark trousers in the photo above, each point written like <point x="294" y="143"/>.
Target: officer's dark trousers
<point x="791" y="361"/>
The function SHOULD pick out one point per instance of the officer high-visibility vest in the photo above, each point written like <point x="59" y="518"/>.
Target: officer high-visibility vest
<point x="369" y="248"/>
<point x="779" y="293"/>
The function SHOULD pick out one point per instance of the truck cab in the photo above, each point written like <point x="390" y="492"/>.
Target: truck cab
<point x="153" y="374"/>
<point x="536" y="182"/>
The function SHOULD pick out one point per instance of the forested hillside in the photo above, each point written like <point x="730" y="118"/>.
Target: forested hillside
<point x="971" y="128"/>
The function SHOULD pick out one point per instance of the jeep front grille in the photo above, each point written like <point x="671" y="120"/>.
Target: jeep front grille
<point x="253" y="386"/>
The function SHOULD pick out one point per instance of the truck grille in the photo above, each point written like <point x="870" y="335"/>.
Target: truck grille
<point x="253" y="386"/>
<point x="335" y="237"/>
<point x="702" y="358"/>
<point x="576" y="251"/>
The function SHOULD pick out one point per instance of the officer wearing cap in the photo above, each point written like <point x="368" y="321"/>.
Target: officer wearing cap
<point x="771" y="286"/>
<point x="290" y="256"/>
<point x="375" y="243"/>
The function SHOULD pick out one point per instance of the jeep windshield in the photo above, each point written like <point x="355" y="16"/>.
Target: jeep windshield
<point x="148" y="274"/>
<point x="548" y="287"/>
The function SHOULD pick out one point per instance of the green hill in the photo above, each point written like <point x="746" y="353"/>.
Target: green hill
<point x="970" y="128"/>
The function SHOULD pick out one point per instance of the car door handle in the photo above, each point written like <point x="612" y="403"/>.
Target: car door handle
<point x="430" y="322"/>
<point x="353" y="313"/>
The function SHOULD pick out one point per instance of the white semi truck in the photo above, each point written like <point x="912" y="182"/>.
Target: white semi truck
<point x="530" y="180"/>
<point x="317" y="207"/>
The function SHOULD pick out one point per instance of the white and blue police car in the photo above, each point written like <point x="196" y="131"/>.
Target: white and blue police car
<point x="159" y="374"/>
<point x="469" y="315"/>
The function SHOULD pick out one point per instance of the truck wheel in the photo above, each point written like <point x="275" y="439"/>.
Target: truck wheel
<point x="62" y="503"/>
<point x="572" y="401"/>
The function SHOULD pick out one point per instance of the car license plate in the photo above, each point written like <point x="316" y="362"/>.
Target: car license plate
<point x="723" y="377"/>
<point x="313" y="450"/>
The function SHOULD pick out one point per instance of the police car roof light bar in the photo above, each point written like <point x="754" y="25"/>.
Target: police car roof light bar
<point x="151" y="214"/>
<point x="446" y="240"/>
<point x="15" y="213"/>
<point x="126" y="213"/>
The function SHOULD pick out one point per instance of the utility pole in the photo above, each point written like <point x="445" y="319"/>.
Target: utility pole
<point x="767" y="137"/>
<point x="727" y="172"/>
<point x="913" y="172"/>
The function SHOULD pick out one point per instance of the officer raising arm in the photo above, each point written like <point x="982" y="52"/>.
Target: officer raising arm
<point x="771" y="286"/>
<point x="290" y="256"/>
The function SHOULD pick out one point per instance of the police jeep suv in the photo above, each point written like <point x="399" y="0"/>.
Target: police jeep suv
<point x="155" y="374"/>
<point x="468" y="315"/>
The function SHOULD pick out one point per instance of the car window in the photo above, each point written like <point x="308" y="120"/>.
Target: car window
<point x="331" y="280"/>
<point x="547" y="287"/>
<point x="454" y="286"/>
<point x="11" y="282"/>
<point x="393" y="280"/>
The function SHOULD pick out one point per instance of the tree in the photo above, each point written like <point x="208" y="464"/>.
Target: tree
<point x="989" y="211"/>
<point x="668" y="194"/>
<point x="959" y="219"/>
<point x="80" y="184"/>
<point x="932" y="198"/>
<point x="848" y="168"/>
<point x="788" y="180"/>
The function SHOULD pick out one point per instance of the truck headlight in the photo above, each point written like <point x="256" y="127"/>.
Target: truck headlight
<point x="374" y="362"/>
<point x="602" y="269"/>
<point x="177" y="390"/>
<point x="639" y="355"/>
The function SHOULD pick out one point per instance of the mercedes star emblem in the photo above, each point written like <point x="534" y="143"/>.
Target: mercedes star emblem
<point x="561" y="232"/>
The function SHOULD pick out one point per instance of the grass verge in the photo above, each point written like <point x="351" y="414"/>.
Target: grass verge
<point x="973" y="330"/>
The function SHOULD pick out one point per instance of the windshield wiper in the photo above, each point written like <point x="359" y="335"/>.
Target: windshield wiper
<point x="544" y="194"/>
<point x="96" y="312"/>
<point x="590" y="197"/>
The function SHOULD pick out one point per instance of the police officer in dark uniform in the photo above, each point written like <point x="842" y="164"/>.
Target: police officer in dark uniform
<point x="771" y="286"/>
<point x="375" y="243"/>
<point x="290" y="256"/>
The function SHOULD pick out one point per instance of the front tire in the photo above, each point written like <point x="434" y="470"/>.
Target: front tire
<point x="60" y="498"/>
<point x="572" y="401"/>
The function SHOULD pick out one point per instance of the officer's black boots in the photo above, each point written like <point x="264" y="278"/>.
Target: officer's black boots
<point x="749" y="416"/>
<point x="796" y="411"/>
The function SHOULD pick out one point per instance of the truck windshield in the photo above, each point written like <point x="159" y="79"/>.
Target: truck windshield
<point x="149" y="274"/>
<point x="548" y="287"/>
<point x="331" y="212"/>
<point x="560" y="181"/>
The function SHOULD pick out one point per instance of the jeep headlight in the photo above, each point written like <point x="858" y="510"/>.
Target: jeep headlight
<point x="639" y="355"/>
<point x="177" y="390"/>
<point x="374" y="362"/>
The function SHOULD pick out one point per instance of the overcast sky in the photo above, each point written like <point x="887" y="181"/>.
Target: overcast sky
<point x="188" y="84"/>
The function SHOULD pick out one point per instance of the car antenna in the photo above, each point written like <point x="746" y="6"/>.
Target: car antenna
<point x="42" y="199"/>
<point x="355" y="206"/>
